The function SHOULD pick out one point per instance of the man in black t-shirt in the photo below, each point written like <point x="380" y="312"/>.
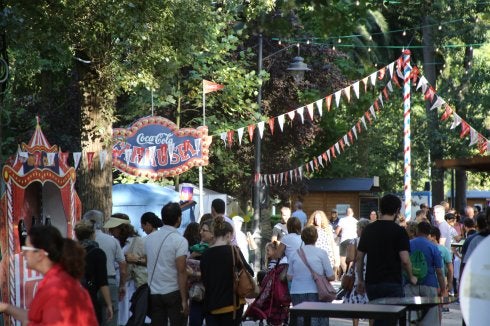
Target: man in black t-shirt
<point x="387" y="247"/>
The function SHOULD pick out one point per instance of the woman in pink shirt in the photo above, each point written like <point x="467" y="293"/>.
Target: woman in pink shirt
<point x="60" y="299"/>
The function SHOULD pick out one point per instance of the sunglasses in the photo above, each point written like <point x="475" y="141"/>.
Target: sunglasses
<point x="33" y="249"/>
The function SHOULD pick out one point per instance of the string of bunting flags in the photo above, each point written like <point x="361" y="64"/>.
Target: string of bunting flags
<point x="228" y="136"/>
<point x="437" y="101"/>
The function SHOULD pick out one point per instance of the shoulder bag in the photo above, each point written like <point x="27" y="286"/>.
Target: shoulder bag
<point x="326" y="291"/>
<point x="349" y="277"/>
<point x="244" y="284"/>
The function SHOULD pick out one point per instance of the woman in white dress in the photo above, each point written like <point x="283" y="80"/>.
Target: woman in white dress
<point x="325" y="234"/>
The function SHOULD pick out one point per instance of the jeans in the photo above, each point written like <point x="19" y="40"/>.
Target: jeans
<point x="383" y="290"/>
<point x="167" y="307"/>
<point x="114" y="292"/>
<point x="432" y="315"/>
<point x="312" y="297"/>
<point x="196" y="313"/>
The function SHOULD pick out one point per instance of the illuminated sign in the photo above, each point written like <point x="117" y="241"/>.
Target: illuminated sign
<point x="154" y="147"/>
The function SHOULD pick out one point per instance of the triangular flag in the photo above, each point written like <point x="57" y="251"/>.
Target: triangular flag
<point x="422" y="83"/>
<point x="429" y="95"/>
<point x="380" y="97"/>
<point x="395" y="80"/>
<point x="229" y="137"/>
<point x="346" y="140"/>
<point x="50" y="157"/>
<point x="223" y="137"/>
<point x="447" y="113"/>
<point x="319" y="105"/>
<point x="376" y="105"/>
<point x="364" y="122"/>
<point x="329" y="157"/>
<point x="456" y="121"/>
<point x="358" y="125"/>
<point x="324" y="155"/>
<point x="354" y="131"/>
<point x="337" y="147"/>
<point x="240" y="135"/>
<point x="271" y="125"/>
<point x="342" y="145"/>
<point x="355" y="86"/>
<point x="209" y="86"/>
<point x="390" y="68"/>
<point x="351" y="138"/>
<point x="347" y="93"/>
<point x="320" y="160"/>
<point x="301" y="112"/>
<point x="291" y="115"/>
<point x="368" y="116"/>
<point x="381" y="73"/>
<point x="251" y="132"/>
<point x="473" y="136"/>
<point x="315" y="161"/>
<point x="300" y="170"/>
<point x="310" y="110"/>
<point x="482" y="144"/>
<point x="328" y="100"/>
<point x="365" y="81"/>
<point x="261" y="125"/>
<point x="103" y="158"/>
<point x="337" y="97"/>
<point x="465" y="129"/>
<point x="332" y="151"/>
<point x="90" y="159"/>
<point x="76" y="158"/>
<point x="63" y="157"/>
<point x="373" y="78"/>
<point x="311" y="166"/>
<point x="281" y="119"/>
<point x="371" y="109"/>
<point x="438" y="103"/>
<point x="390" y="87"/>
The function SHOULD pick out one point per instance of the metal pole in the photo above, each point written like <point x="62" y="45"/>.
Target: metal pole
<point x="406" y="132"/>
<point x="201" y="181"/>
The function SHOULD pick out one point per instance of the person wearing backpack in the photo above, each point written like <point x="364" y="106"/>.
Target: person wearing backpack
<point x="427" y="267"/>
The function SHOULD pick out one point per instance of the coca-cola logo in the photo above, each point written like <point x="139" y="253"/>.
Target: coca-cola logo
<point x="158" y="139"/>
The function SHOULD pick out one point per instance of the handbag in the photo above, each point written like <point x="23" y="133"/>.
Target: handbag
<point x="196" y="292"/>
<point x="244" y="284"/>
<point x="349" y="277"/>
<point x="326" y="291"/>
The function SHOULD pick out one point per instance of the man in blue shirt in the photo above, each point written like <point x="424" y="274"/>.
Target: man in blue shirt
<point x="299" y="213"/>
<point x="427" y="286"/>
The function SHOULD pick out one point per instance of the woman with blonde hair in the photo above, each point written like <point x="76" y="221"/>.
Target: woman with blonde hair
<point x="325" y="239"/>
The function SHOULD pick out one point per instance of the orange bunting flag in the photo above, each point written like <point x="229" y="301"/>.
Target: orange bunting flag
<point x="465" y="129"/>
<point x="368" y="116"/>
<point x="358" y="125"/>
<point x="447" y="113"/>
<point x="351" y="138"/>
<point x="251" y="132"/>
<point x="429" y="94"/>
<point x="382" y="72"/>
<point x="271" y="125"/>
<point x="332" y="151"/>
<point x="209" y="86"/>
<point x="328" y="100"/>
<point x="482" y="144"/>
<point x="229" y="137"/>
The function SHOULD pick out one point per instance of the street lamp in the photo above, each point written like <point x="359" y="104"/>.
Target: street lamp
<point x="297" y="68"/>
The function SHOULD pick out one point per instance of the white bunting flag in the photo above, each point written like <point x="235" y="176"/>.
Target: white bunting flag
<point x="320" y="160"/>
<point x="222" y="136"/>
<point x="260" y="125"/>
<point x="473" y="136"/>
<point x="281" y="119"/>
<point x="365" y="82"/>
<point x="50" y="158"/>
<point x="354" y="130"/>
<point x="291" y="175"/>
<point x="76" y="158"/>
<point x="355" y="86"/>
<point x="240" y="134"/>
<point x="319" y="105"/>
<point x="103" y="157"/>
<point x="390" y="87"/>
<point x="438" y="103"/>
<point x="372" y="77"/>
<point x="337" y="97"/>
<point x="422" y="83"/>
<point x="380" y="97"/>
<point x="301" y="112"/>
<point x="337" y="147"/>
<point x="328" y="155"/>
<point x="363" y="120"/>
<point x="346" y="140"/>
<point x="456" y="120"/>
<point x="300" y="169"/>
<point x="371" y="109"/>
<point x="390" y="68"/>
<point x="312" y="166"/>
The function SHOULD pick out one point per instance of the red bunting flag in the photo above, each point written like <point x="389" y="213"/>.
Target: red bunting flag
<point x="447" y="113"/>
<point x="358" y="125"/>
<point x="381" y="72"/>
<point x="251" y="132"/>
<point x="465" y="129"/>
<point x="368" y="116"/>
<point x="332" y="151"/>
<point x="385" y="93"/>
<point x="328" y="100"/>
<point x="209" y="86"/>
<point x="429" y="94"/>
<point x="482" y="144"/>
<point x="376" y="106"/>
<point x="229" y="137"/>
<point x="414" y="74"/>
<point x="271" y="125"/>
<point x="90" y="158"/>
<point x="325" y="157"/>
<point x="342" y="145"/>
<point x="351" y="138"/>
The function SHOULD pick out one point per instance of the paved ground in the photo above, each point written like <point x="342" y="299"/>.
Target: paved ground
<point x="451" y="318"/>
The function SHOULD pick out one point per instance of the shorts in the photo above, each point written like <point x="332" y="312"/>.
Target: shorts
<point x="343" y="247"/>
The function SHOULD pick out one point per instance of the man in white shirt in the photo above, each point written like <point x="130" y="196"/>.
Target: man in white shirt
<point x="166" y="252"/>
<point x="113" y="252"/>
<point x="218" y="207"/>
<point x="347" y="230"/>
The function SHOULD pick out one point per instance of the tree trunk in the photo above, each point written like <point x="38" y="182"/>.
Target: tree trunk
<point x="460" y="202"/>
<point x="97" y="108"/>
<point x="435" y="145"/>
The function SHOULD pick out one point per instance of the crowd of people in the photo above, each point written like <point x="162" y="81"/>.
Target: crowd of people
<point x="192" y="276"/>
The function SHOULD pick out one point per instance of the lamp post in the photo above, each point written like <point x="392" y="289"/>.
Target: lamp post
<point x="297" y="69"/>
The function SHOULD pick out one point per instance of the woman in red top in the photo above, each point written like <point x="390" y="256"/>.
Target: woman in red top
<point x="60" y="299"/>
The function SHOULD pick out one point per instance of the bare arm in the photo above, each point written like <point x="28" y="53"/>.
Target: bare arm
<point x="281" y="249"/>
<point x="360" y="272"/>
<point x="180" y="263"/>
<point x="442" y="282"/>
<point x="17" y="313"/>
<point x="450" y="274"/>
<point x="123" y="272"/>
<point x="104" y="290"/>
<point x="407" y="266"/>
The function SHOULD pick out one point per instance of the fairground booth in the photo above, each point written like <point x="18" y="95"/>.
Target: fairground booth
<point x="39" y="189"/>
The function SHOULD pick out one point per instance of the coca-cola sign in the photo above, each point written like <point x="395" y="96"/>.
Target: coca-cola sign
<point x="155" y="148"/>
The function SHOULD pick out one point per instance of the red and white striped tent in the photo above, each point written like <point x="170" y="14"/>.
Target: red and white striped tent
<point x="39" y="188"/>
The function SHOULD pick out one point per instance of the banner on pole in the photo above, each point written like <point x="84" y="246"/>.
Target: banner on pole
<point x="209" y="86"/>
